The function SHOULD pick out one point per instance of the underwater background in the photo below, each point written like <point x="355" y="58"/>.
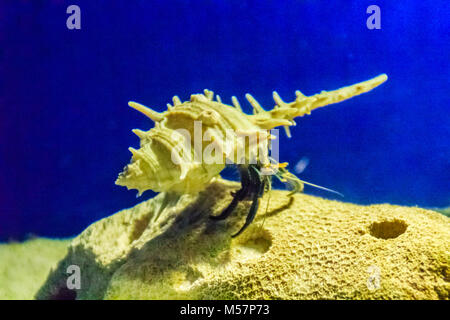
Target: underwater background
<point x="65" y="125"/>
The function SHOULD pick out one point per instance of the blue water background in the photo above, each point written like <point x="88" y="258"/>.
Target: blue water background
<point x="65" y="125"/>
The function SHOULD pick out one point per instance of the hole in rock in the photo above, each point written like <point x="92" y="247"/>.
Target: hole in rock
<point x="190" y="278"/>
<point x="387" y="229"/>
<point x="252" y="245"/>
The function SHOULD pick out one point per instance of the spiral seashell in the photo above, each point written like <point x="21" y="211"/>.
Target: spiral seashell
<point x="193" y="141"/>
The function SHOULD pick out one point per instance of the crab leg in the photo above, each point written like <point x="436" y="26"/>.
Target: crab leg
<point x="240" y="195"/>
<point x="257" y="193"/>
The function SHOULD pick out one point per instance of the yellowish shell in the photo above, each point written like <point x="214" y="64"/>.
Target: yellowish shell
<point x="193" y="141"/>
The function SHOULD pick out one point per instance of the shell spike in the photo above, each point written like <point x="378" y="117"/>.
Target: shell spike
<point x="155" y="116"/>
<point x="255" y="104"/>
<point x="299" y="95"/>
<point x="302" y="105"/>
<point x="325" y="98"/>
<point x="236" y="103"/>
<point x="133" y="151"/>
<point x="278" y="101"/>
<point x="141" y="134"/>
<point x="208" y="94"/>
<point x="287" y="130"/>
<point x="176" y="101"/>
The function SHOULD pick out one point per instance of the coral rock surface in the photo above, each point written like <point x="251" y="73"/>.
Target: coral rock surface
<point x="299" y="247"/>
<point x="24" y="266"/>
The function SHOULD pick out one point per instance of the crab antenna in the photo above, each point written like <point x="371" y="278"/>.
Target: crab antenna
<point x="155" y="116"/>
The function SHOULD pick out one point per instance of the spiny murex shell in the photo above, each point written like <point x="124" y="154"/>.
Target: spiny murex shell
<point x="170" y="158"/>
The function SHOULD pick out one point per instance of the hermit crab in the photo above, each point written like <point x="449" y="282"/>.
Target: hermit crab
<point x="193" y="141"/>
